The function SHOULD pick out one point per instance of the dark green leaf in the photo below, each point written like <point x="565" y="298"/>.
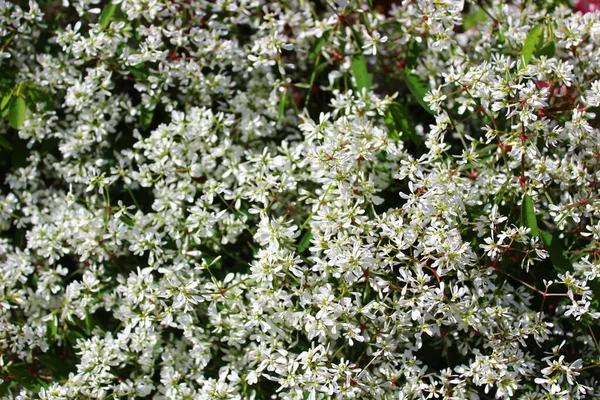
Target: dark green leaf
<point x="107" y="15"/>
<point x="418" y="88"/>
<point x="595" y="286"/>
<point x="16" y="113"/>
<point x="282" y="104"/>
<point x="55" y="364"/>
<point x="89" y="322"/>
<point x="126" y="220"/>
<point x="5" y="143"/>
<point x="412" y="56"/>
<point x="19" y="154"/>
<point x="548" y="50"/>
<point x="316" y="47"/>
<point x="361" y="74"/>
<point x="557" y="253"/>
<point x="139" y="71"/>
<point x="73" y="335"/>
<point x="501" y="192"/>
<point x="528" y="219"/>
<point x="146" y="118"/>
<point x="357" y="37"/>
<point x="32" y="383"/>
<point x="305" y="242"/>
<point x="403" y="122"/>
<point x="7" y="385"/>
<point x="392" y="130"/>
<point x="37" y="96"/>
<point x="532" y="43"/>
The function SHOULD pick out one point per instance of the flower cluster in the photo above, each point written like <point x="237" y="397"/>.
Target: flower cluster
<point x="301" y="199"/>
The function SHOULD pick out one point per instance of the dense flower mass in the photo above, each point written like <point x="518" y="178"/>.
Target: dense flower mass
<point x="301" y="199"/>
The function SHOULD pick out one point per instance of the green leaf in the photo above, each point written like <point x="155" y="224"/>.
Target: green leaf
<point x="548" y="50"/>
<point x="403" y="122"/>
<point x="316" y="47"/>
<point x="533" y="42"/>
<point x="418" y="88"/>
<point x="146" y="118"/>
<point x="37" y="96"/>
<point x="139" y="71"/>
<point x="501" y="192"/>
<point x="528" y="219"/>
<point x="4" y="112"/>
<point x="361" y="74"/>
<point x="5" y="143"/>
<point x="558" y="255"/>
<point x="282" y="104"/>
<point x="126" y="220"/>
<point x="412" y="55"/>
<point x="107" y="15"/>
<point x="595" y="286"/>
<point x="5" y="100"/>
<point x="392" y="130"/>
<point x="305" y="242"/>
<point x="73" y="335"/>
<point x="16" y="113"/>
<point x="52" y="328"/>
<point x="7" y="385"/>
<point x="89" y="322"/>
<point x="501" y="36"/>
<point x="473" y="19"/>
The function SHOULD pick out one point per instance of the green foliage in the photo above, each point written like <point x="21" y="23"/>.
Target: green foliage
<point x="317" y="46"/>
<point x="107" y="14"/>
<point x="16" y="112"/>
<point x="532" y="43"/>
<point x="360" y="72"/>
<point x="558" y="255"/>
<point x="415" y="84"/>
<point x="304" y="242"/>
<point x="536" y="44"/>
<point x="474" y="19"/>
<point x="528" y="218"/>
<point x="399" y="121"/>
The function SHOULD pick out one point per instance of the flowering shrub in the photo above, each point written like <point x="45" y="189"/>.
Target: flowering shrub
<point x="300" y="199"/>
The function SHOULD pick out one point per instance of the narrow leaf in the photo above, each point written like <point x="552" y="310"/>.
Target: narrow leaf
<point x="16" y="113"/>
<point x="282" y="104"/>
<point x="316" y="47"/>
<point x="528" y="219"/>
<point x="5" y="143"/>
<point x="305" y="242"/>
<point x="37" y="96"/>
<point x="557" y="253"/>
<point x="361" y="74"/>
<point x="126" y="220"/>
<point x="5" y="99"/>
<point x="146" y="118"/>
<point x="532" y="43"/>
<point x="107" y="15"/>
<point x="414" y="50"/>
<point x="418" y="88"/>
<point x="89" y="322"/>
<point x="392" y="130"/>
<point x="548" y="50"/>
<point x="139" y="71"/>
<point x="404" y="122"/>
